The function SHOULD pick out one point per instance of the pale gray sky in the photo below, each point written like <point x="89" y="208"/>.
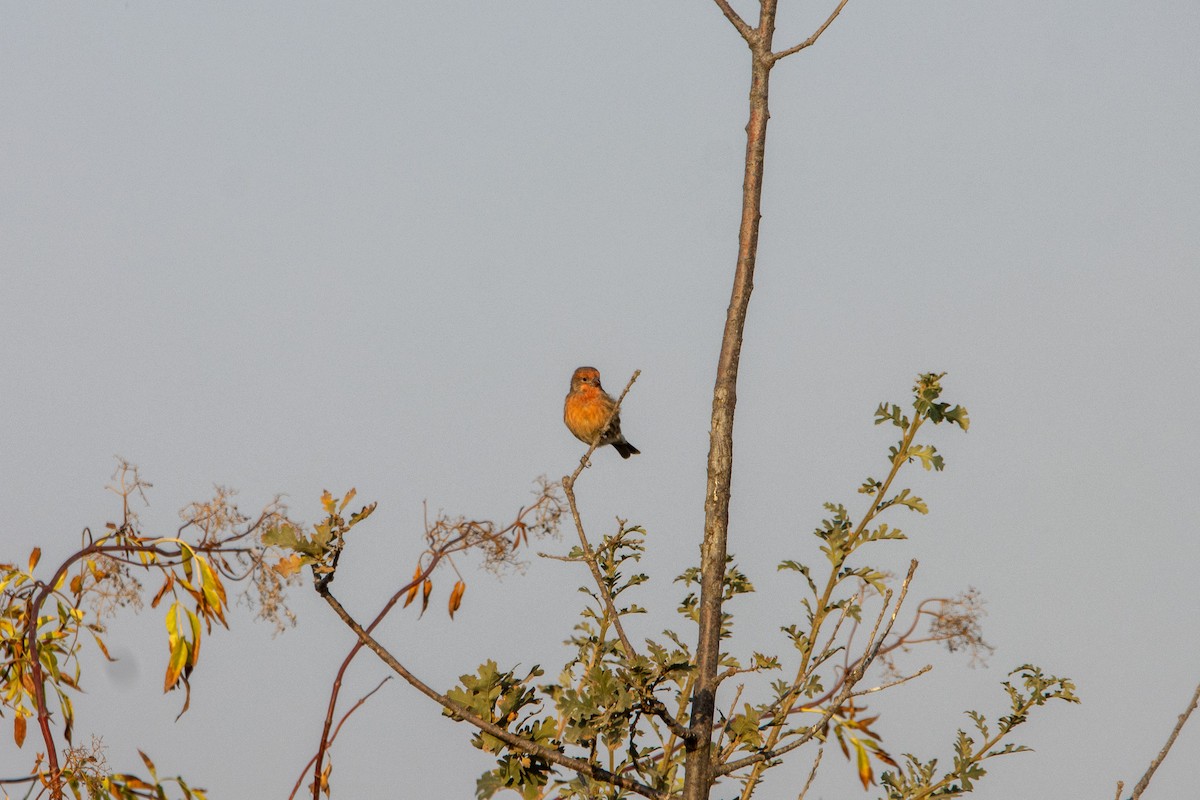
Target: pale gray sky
<point x="292" y="246"/>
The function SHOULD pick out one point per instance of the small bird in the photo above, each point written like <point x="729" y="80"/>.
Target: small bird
<point x="587" y="409"/>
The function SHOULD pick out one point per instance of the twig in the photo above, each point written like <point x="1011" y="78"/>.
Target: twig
<point x="852" y="678"/>
<point x="810" y="41"/>
<point x="901" y="641"/>
<point x="656" y="707"/>
<point x="811" y="774"/>
<point x="514" y="741"/>
<point x="26" y="779"/>
<point x="912" y="568"/>
<point x="896" y="682"/>
<point x="1120" y="786"/>
<point x="744" y="29"/>
<point x="733" y="705"/>
<point x="1183" y="718"/>
<point x="568" y="559"/>
<point x="337" y="730"/>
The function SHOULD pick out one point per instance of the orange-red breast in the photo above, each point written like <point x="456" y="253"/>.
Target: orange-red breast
<point x="587" y="409"/>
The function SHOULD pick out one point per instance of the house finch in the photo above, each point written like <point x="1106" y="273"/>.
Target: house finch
<point x="587" y="409"/>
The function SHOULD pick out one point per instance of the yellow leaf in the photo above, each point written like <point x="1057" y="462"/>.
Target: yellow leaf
<point x="194" y="654"/>
<point x="213" y="592"/>
<point x="172" y="624"/>
<point x="185" y="559"/>
<point x="456" y="597"/>
<point x="327" y="502"/>
<point x="179" y="653"/>
<point x="19" y="730"/>
<point x="34" y="557"/>
<point x="864" y="764"/>
<point x="346" y="500"/>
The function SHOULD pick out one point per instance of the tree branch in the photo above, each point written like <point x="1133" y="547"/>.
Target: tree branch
<point x="1162" y="754"/>
<point x="334" y="735"/>
<point x="811" y="774"/>
<point x="514" y="741"/>
<point x="713" y="550"/>
<point x="745" y="30"/>
<point x="656" y="707"/>
<point x="896" y="682"/>
<point x="437" y="551"/>
<point x="810" y="41"/>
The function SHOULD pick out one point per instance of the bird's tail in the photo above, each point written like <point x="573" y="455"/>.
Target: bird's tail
<point x="626" y="449"/>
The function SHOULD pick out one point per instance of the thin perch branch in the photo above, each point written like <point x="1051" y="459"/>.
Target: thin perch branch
<point x="589" y="555"/>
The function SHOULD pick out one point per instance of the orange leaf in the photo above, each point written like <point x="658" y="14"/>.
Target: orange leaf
<point x="137" y="783"/>
<point x="426" y="590"/>
<point x="456" y="597"/>
<point x="34" y="557"/>
<point x="288" y="566"/>
<point x="77" y="585"/>
<point x="325" y="778"/>
<point x="412" y="590"/>
<point x="149" y="764"/>
<point x="19" y="730"/>
<point x="103" y="647"/>
<point x="166" y="587"/>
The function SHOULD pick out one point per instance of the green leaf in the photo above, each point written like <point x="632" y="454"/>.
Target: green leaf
<point x="927" y="453"/>
<point x="906" y="498"/>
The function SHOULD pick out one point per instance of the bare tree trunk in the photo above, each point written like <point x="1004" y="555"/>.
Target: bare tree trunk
<point x="698" y="773"/>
